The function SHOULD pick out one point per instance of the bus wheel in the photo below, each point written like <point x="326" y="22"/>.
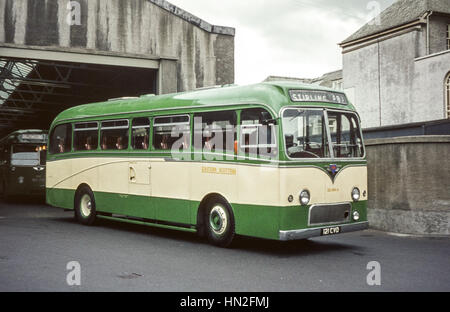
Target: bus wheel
<point x="219" y="223"/>
<point x="85" y="211"/>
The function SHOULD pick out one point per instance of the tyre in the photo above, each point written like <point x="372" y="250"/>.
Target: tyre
<point x="219" y="223"/>
<point x="85" y="211"/>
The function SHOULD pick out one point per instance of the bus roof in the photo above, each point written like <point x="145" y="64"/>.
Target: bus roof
<point x="18" y="136"/>
<point x="274" y="94"/>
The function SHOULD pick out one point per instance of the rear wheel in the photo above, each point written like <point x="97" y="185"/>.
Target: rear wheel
<point x="219" y="223"/>
<point x="85" y="211"/>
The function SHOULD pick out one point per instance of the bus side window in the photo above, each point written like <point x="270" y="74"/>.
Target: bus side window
<point x="85" y="136"/>
<point x="217" y="131"/>
<point x="170" y="130"/>
<point x="61" y="139"/>
<point x="258" y="135"/>
<point x="140" y="133"/>
<point x="114" y="134"/>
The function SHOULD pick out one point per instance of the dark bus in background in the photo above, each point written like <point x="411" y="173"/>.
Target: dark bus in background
<point x="22" y="163"/>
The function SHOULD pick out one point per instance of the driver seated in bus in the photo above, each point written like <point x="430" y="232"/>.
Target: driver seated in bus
<point x="61" y="145"/>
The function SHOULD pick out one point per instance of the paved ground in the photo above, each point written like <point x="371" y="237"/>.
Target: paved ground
<point x="37" y="242"/>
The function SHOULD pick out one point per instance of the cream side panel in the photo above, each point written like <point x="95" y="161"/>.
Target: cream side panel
<point x="113" y="175"/>
<point x="69" y="173"/>
<point x="170" y="179"/>
<point x="57" y="172"/>
<point x="242" y="184"/>
<point x="237" y="183"/>
<point x="101" y="174"/>
<point x="209" y="178"/>
<point x="258" y="185"/>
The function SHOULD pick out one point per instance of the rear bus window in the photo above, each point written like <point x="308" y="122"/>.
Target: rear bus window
<point x="61" y="139"/>
<point x="85" y="136"/>
<point x="114" y="134"/>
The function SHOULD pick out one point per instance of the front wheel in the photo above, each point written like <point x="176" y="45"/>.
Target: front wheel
<point x="219" y="223"/>
<point x="85" y="211"/>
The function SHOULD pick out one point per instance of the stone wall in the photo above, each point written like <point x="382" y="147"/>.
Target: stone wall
<point x="409" y="184"/>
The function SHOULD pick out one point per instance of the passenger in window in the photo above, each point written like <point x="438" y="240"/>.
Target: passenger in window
<point x="165" y="142"/>
<point x="119" y="143"/>
<point x="88" y="145"/>
<point x="145" y="142"/>
<point x="185" y="145"/>
<point x="104" y="144"/>
<point x="208" y="145"/>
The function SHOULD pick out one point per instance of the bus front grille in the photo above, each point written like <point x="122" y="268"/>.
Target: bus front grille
<point x="329" y="214"/>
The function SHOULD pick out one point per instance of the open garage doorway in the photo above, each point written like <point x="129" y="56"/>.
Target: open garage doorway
<point x="34" y="91"/>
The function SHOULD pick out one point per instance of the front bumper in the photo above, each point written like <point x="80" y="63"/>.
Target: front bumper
<point x="313" y="232"/>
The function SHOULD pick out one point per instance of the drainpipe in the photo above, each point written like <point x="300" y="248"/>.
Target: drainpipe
<point x="428" y="32"/>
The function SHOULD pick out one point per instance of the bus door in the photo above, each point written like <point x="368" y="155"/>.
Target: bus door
<point x="139" y="178"/>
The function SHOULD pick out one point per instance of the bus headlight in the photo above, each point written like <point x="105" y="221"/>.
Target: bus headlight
<point x="304" y="197"/>
<point x="356" y="194"/>
<point x="355" y="215"/>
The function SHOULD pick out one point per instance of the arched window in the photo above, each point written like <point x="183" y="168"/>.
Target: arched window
<point x="447" y="94"/>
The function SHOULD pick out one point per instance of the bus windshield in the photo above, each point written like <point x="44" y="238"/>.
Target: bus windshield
<point x="345" y="135"/>
<point x="25" y="155"/>
<point x="306" y="134"/>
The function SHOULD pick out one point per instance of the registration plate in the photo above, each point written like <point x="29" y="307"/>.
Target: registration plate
<point x="331" y="230"/>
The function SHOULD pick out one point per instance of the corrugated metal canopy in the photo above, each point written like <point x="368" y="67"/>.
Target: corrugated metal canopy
<point x="33" y="92"/>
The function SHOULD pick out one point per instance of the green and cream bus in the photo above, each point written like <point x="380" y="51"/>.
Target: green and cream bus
<point x="22" y="163"/>
<point x="277" y="160"/>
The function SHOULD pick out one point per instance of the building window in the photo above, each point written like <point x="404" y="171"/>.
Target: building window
<point x="447" y="94"/>
<point x="448" y="37"/>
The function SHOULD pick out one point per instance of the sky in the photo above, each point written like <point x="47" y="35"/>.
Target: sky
<point x="291" y="38"/>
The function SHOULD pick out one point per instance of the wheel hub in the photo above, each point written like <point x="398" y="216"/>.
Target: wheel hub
<point x="86" y="205"/>
<point x="218" y="220"/>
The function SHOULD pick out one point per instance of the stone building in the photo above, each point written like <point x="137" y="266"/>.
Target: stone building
<point x="55" y="54"/>
<point x="330" y="80"/>
<point x="396" y="68"/>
